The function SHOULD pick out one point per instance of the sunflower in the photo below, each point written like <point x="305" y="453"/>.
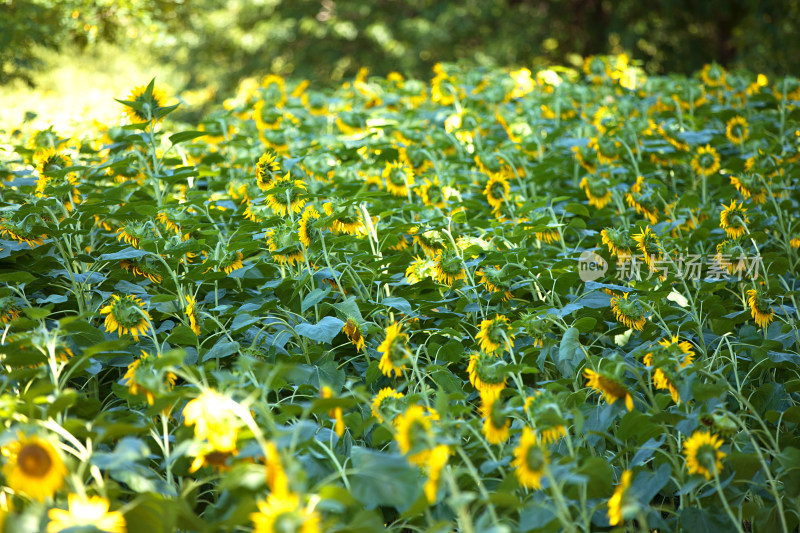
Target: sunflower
<point x="283" y="246"/>
<point x="703" y="455"/>
<point x="126" y="315"/>
<point x="760" y="309"/>
<point x="647" y="243"/>
<point x="737" y="130"/>
<point x="232" y="261"/>
<point x="33" y="467"/>
<point x="286" y="196"/>
<point x="335" y="413"/>
<point x="16" y="231"/>
<point x="733" y="219"/>
<point x="619" y="505"/>
<point x="713" y="75"/>
<point x="436" y="461"/>
<point x="191" y="314"/>
<point x="347" y="220"/>
<point x="214" y="420"/>
<point x="135" y="387"/>
<point x="660" y="379"/>
<point x="496" y="424"/>
<point x="49" y="160"/>
<point x="611" y="389"/>
<point x="795" y="242"/>
<point x="149" y="100"/>
<point x="267" y="168"/>
<point x="282" y="512"/>
<point x="168" y="220"/>
<point x="432" y="193"/>
<point x="398" y="177"/>
<point x="385" y="399"/>
<point x="307" y="233"/>
<point x="618" y="241"/>
<point x="9" y="310"/>
<point x="545" y="413"/>
<point x="495" y="333"/>
<point x="414" y="434"/>
<point x="628" y="312"/>
<point x="393" y="351"/>
<point x="216" y="460"/>
<point x="641" y="199"/>
<point x="449" y="267"/>
<point x="548" y="236"/>
<point x="597" y="191"/>
<point x="494" y="281"/>
<point x="86" y="512"/>
<point x="141" y="268"/>
<point x="530" y="459"/>
<point x="132" y="233"/>
<point x="706" y="161"/>
<point x="486" y="374"/>
<point x="353" y="331"/>
<point x="419" y="269"/>
<point x="749" y="188"/>
<point x="497" y="189"/>
<point x="431" y="241"/>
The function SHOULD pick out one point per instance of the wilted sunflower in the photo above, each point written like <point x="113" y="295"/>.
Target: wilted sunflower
<point x="597" y="191"/>
<point x="706" y="162"/>
<point x="703" y="455"/>
<point x="497" y="189"/>
<point x="621" y="505"/>
<point x="449" y="267"/>
<point x="267" y="168"/>
<point x="398" y="177"/>
<point x="353" y="331"/>
<point x="530" y="460"/>
<point x="150" y="104"/>
<point x="286" y="196"/>
<point x="495" y="333"/>
<point x="629" y="312"/>
<point x="611" y="389"/>
<point x="126" y="315"/>
<point x="33" y="467"/>
<point x="748" y="187"/>
<point x="733" y="219"/>
<point x="760" y="309"/>
<point x="393" y="351"/>
<point x="737" y="130"/>
<point x="385" y="399"/>
<point x="618" y="241"/>
<point x="214" y="420"/>
<point x="486" y="374"/>
<point x="86" y="512"/>
<point x="282" y="512"/>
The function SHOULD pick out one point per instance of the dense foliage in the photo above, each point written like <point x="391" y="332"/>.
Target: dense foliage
<point x="495" y="301"/>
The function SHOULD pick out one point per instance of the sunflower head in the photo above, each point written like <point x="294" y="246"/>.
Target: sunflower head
<point x="647" y="243"/>
<point x="497" y="422"/>
<point x="145" y="104"/>
<point x="353" y="331"/>
<point x="387" y="401"/>
<point x="733" y="219"/>
<point x="495" y="334"/>
<point x="706" y="161"/>
<point x="497" y="189"/>
<point x="398" y="177"/>
<point x="449" y="267"/>
<point x="307" y="231"/>
<point x="414" y="434"/>
<point x="486" y="373"/>
<point x="284" y="245"/>
<point x="126" y="314"/>
<point x="267" y="168"/>
<point x="286" y="196"/>
<point x="618" y="241"/>
<point x="622" y="505"/>
<point x="9" y="309"/>
<point x="597" y="190"/>
<point x="394" y="351"/>
<point x="737" y="130"/>
<point x="545" y="412"/>
<point x="33" y="467"/>
<point x="629" y="311"/>
<point x="760" y="308"/>
<point x="530" y="459"/>
<point x="86" y="513"/>
<point x="494" y="280"/>
<point x="609" y="386"/>
<point x="703" y="455"/>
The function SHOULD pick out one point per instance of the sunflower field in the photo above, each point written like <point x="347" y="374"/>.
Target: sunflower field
<point x="492" y="301"/>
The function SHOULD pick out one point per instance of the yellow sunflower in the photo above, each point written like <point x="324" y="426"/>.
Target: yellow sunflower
<point x="419" y="269"/>
<point x="232" y="261"/>
<point x="85" y="512"/>
<point x="734" y="220"/>
<point x="530" y="460"/>
<point x="385" y="396"/>
<point x="33" y="467"/>
<point x="283" y="512"/>
<point x="496" y="423"/>
<point x="149" y="105"/>
<point x="191" y="313"/>
<point x="703" y="455"/>
<point x="352" y="329"/>
<point x="618" y="241"/>
<point x="629" y="312"/>
<point x="335" y="413"/>
<point x="214" y="420"/>
<point x="286" y="196"/>
<point x="737" y="130"/>
<point x="495" y="333"/>
<point x="647" y="243"/>
<point x="267" y="168"/>
<point x="749" y="188"/>
<point x="283" y="246"/>
<point x="393" y="351"/>
<point x="497" y="189"/>
<point x="597" y="191"/>
<point x="140" y="268"/>
<point x="398" y="177"/>
<point x="307" y="233"/>
<point x="493" y="280"/>
<point x="126" y="315"/>
<point x="449" y="267"/>
<point x="8" y="309"/>
<point x="437" y="460"/>
<point x="19" y="233"/>
<point x="486" y="374"/>
<point x="760" y="309"/>
<point x="414" y="434"/>
<point x="619" y="506"/>
<point x="611" y="389"/>
<point x="706" y="161"/>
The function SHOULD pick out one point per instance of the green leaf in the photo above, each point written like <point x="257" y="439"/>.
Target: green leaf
<point x="323" y="331"/>
<point x="221" y="349"/>
<point x="383" y="479"/>
<point x="128" y="253"/>
<point x="186" y="136"/>
<point x="313" y="298"/>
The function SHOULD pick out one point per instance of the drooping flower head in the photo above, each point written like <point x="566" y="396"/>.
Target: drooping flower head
<point x="149" y="100"/>
<point x="597" y="191"/>
<point x="609" y="386"/>
<point x="495" y="334"/>
<point x="497" y="190"/>
<point x="286" y="196"/>
<point x="544" y="412"/>
<point x="629" y="311"/>
<point x="126" y="314"/>
<point x="398" y="177"/>
<point x="449" y="267"/>
<point x="618" y="241"/>
<point x="214" y="420"/>
<point x="283" y="245"/>
<point x="267" y="169"/>
<point x="414" y="433"/>
<point x="737" y="130"/>
<point x="622" y="505"/>
<point x="386" y="401"/>
<point x="283" y="512"/>
<point x="647" y="243"/>
<point x="486" y="373"/>
<point x="352" y="329"/>
<point x="760" y="309"/>
<point x="494" y="281"/>
<point x="393" y="351"/>
<point x="496" y="423"/>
